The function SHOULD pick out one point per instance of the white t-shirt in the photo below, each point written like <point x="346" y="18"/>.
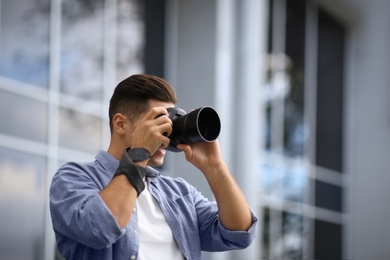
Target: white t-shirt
<point x="156" y="240"/>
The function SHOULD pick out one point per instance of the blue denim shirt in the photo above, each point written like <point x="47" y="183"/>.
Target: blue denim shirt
<point x="86" y="229"/>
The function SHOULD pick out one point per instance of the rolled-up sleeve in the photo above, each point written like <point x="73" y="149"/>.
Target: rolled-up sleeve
<point x="78" y="212"/>
<point x="214" y="236"/>
<point x="239" y="239"/>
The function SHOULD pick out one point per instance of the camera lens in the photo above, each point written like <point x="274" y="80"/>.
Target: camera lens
<point x="200" y="125"/>
<point x="208" y="124"/>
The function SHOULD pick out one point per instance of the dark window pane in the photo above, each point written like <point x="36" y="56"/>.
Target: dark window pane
<point x="268" y="127"/>
<point x="82" y="48"/>
<point x="24" y="41"/>
<point x="294" y="102"/>
<point x="22" y="212"/>
<point x="154" y="37"/>
<point x="23" y="117"/>
<point x="327" y="240"/>
<point x="79" y="131"/>
<point x="270" y="30"/>
<point x="328" y="196"/>
<point x="329" y="129"/>
<point x="266" y="233"/>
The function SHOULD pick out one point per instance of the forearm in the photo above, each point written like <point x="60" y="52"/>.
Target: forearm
<point x="120" y="197"/>
<point x="232" y="206"/>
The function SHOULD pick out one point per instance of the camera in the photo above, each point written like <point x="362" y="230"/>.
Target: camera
<point x="198" y="126"/>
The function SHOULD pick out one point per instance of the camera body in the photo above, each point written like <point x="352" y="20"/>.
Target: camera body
<point x="198" y="126"/>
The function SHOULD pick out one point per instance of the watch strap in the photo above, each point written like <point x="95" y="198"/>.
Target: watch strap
<point x="138" y="154"/>
<point x="134" y="173"/>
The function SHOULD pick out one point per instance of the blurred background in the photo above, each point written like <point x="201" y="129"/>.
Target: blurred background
<point x="301" y="87"/>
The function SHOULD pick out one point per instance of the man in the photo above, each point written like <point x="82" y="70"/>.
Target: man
<point x="119" y="207"/>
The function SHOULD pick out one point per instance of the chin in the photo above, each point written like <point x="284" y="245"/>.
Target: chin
<point x="158" y="164"/>
<point x="157" y="160"/>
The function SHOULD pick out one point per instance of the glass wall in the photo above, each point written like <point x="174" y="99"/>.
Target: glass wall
<point x="24" y="41"/>
<point x="302" y="174"/>
<point x="59" y="62"/>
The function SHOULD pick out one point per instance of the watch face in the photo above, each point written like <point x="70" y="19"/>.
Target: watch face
<point x="139" y="154"/>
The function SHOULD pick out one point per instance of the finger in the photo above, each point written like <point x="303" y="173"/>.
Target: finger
<point x="166" y="129"/>
<point x="184" y="147"/>
<point x="156" y="112"/>
<point x="162" y="119"/>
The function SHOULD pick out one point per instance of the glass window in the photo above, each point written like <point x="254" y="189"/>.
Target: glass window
<point x="285" y="180"/>
<point x="295" y="182"/>
<point x="293" y="236"/>
<point x="24" y="41"/>
<point x="285" y="172"/>
<point x="82" y="48"/>
<point x="328" y="240"/>
<point x="154" y="50"/>
<point x="79" y="131"/>
<point x="22" y="197"/>
<point x="283" y="235"/>
<point x="266" y="234"/>
<point x="294" y="102"/>
<point x="272" y="178"/>
<point x="328" y="196"/>
<point x="130" y="38"/>
<point x="23" y="117"/>
<point x="329" y="133"/>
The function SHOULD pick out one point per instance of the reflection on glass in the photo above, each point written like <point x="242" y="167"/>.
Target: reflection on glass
<point x="130" y="38"/>
<point x="82" y="48"/>
<point x="285" y="179"/>
<point x="293" y="236"/>
<point x="79" y="131"/>
<point x="22" y="197"/>
<point x="283" y="235"/>
<point x="271" y="179"/>
<point x="295" y="183"/>
<point x="22" y="117"/>
<point x="24" y="41"/>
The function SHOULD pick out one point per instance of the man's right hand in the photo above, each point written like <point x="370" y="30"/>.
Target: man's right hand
<point x="152" y="130"/>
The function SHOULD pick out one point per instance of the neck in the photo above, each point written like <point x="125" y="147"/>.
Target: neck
<point x="116" y="148"/>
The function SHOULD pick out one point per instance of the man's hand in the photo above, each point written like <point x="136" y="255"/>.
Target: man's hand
<point x="204" y="156"/>
<point x="152" y="129"/>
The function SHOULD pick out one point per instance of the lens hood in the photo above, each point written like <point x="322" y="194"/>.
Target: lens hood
<point x="198" y="126"/>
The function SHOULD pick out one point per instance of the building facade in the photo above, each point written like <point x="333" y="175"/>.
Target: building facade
<point x="301" y="87"/>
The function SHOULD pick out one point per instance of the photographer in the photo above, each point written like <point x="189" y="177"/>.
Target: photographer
<point x="119" y="207"/>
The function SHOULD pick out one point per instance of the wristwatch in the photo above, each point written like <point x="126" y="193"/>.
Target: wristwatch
<point x="138" y="154"/>
<point x="133" y="172"/>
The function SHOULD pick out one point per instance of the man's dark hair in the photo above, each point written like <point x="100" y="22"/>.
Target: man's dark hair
<point x="131" y="96"/>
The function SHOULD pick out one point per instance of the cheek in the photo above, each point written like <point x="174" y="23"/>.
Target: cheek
<point x="128" y="138"/>
<point x="129" y="135"/>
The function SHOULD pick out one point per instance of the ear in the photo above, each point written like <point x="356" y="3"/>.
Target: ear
<point x="118" y="122"/>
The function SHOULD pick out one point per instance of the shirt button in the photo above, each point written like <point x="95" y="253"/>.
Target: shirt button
<point x="132" y="257"/>
<point x="135" y="231"/>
